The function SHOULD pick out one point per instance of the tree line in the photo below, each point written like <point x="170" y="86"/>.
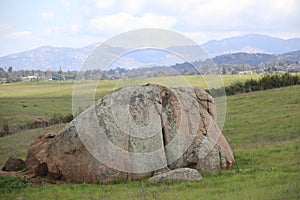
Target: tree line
<point x="264" y="83"/>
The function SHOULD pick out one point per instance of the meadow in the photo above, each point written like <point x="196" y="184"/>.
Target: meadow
<point x="25" y="101"/>
<point x="263" y="129"/>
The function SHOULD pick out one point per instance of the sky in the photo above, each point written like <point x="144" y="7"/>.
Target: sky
<point x="28" y="24"/>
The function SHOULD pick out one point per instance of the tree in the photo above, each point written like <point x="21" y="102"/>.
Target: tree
<point x="2" y="73"/>
<point x="10" y="69"/>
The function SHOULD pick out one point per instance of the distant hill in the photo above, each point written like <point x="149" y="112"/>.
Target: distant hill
<point x="265" y="49"/>
<point x="290" y="56"/>
<point x="251" y="43"/>
<point x="246" y="58"/>
<point x="48" y="57"/>
<point x="53" y="58"/>
<point x="256" y="59"/>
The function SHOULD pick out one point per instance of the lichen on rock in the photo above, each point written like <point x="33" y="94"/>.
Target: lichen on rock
<point x="132" y="133"/>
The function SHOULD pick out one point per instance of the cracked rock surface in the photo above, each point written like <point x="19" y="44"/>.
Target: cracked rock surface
<point x="133" y="133"/>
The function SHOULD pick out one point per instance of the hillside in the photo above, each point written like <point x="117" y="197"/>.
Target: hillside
<point x="256" y="58"/>
<point x="244" y="58"/>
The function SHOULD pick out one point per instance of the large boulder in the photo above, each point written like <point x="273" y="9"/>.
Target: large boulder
<point x="132" y="133"/>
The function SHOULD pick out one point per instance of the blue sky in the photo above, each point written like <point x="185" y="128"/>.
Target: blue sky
<point x="27" y="24"/>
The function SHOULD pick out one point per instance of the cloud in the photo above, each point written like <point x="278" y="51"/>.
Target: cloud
<point x="47" y="15"/>
<point x="124" y="22"/>
<point x="193" y="16"/>
<point x="19" y="35"/>
<point x="73" y="22"/>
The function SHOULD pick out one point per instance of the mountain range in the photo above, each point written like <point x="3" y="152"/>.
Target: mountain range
<point x="65" y="58"/>
<point x="251" y="43"/>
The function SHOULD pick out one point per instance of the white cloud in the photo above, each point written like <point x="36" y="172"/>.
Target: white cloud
<point x="47" y="15"/>
<point x="19" y="35"/>
<point x="243" y="16"/>
<point x="124" y="22"/>
<point x="194" y="16"/>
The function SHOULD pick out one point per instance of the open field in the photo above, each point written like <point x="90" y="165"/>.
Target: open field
<point x="263" y="128"/>
<point x="24" y="102"/>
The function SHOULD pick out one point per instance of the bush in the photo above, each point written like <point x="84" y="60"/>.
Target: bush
<point x="59" y="119"/>
<point x="4" y="130"/>
<point x="11" y="183"/>
<point x="265" y="83"/>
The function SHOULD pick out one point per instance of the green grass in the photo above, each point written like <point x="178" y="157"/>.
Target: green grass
<point x="263" y="128"/>
<point x="18" y="144"/>
<point x="251" y="185"/>
<point x="263" y="117"/>
<point x="23" y="102"/>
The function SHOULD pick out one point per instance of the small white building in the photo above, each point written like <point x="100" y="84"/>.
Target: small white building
<point x="245" y="72"/>
<point x="30" y="78"/>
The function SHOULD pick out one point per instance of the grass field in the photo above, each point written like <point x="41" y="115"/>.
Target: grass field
<point x="263" y="128"/>
<point x="23" y="102"/>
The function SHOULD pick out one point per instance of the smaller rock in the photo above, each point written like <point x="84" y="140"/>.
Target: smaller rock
<point x="13" y="164"/>
<point x="180" y="174"/>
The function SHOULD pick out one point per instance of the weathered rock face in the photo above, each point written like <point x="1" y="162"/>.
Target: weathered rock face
<point x="36" y="156"/>
<point x="133" y="133"/>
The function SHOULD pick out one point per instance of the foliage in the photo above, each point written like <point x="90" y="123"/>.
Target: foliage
<point x="11" y="183"/>
<point x="264" y="83"/>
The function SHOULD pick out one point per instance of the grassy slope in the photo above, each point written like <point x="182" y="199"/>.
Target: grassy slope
<point x="18" y="144"/>
<point x="23" y="102"/>
<point x="264" y="131"/>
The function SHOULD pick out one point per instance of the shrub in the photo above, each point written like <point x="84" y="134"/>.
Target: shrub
<point x="11" y="183"/>
<point x="265" y="83"/>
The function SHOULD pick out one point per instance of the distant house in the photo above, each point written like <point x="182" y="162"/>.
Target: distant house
<point x="30" y="78"/>
<point x="245" y="72"/>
